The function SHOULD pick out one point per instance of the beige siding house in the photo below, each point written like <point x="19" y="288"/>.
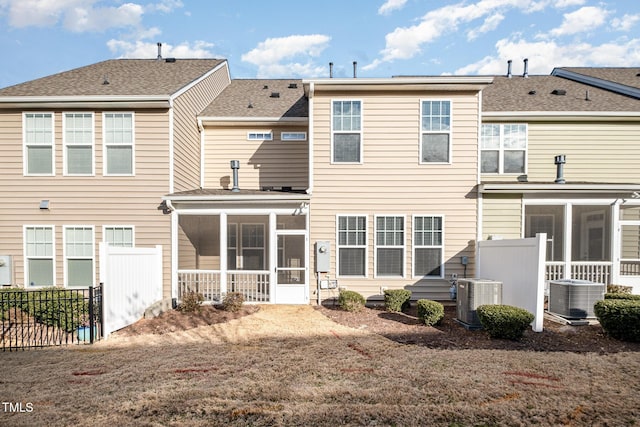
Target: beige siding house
<point x="87" y="156"/>
<point x="588" y="206"/>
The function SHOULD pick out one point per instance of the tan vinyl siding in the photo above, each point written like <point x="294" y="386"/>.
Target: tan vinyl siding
<point x="501" y="216"/>
<point x="273" y="163"/>
<point x="186" y="133"/>
<point x="87" y="200"/>
<point x="392" y="181"/>
<point x="595" y="152"/>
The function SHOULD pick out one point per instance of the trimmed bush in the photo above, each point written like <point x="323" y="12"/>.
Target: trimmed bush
<point x="191" y="302"/>
<point x="620" y="318"/>
<point x="619" y="289"/>
<point x="621" y="295"/>
<point x="396" y="300"/>
<point x="350" y="301"/>
<point x="233" y="301"/>
<point x="504" y="321"/>
<point x="430" y="312"/>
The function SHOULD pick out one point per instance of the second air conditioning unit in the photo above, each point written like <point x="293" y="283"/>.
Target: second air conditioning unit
<point x="574" y="299"/>
<point x="473" y="293"/>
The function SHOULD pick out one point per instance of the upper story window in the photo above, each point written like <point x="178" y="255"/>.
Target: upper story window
<point x="346" y="132"/>
<point x="118" y="144"/>
<point x="78" y="143"/>
<point x="38" y="144"/>
<point x="260" y="136"/>
<point x="293" y="136"/>
<point x="435" y="144"/>
<point x="503" y="148"/>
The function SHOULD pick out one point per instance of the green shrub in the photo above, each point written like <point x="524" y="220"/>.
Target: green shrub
<point x="233" y="301"/>
<point x="619" y="289"/>
<point x="396" y="300"/>
<point x="430" y="312"/>
<point x="350" y="301"/>
<point x="504" y="321"/>
<point x="621" y="295"/>
<point x="620" y="318"/>
<point x="191" y="302"/>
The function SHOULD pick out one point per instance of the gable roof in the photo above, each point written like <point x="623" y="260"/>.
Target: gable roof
<point x="259" y="99"/>
<point x="624" y="80"/>
<point x="545" y="94"/>
<point x="125" y="77"/>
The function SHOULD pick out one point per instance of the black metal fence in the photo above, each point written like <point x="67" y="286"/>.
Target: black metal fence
<point x="50" y="317"/>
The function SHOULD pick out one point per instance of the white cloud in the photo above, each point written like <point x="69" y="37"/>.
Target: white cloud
<point x="391" y="5"/>
<point x="545" y="55"/>
<point x="625" y="23"/>
<point x="84" y="19"/>
<point x="489" y="24"/>
<point x="561" y="4"/>
<point x="164" y="6"/>
<point x="39" y="13"/>
<point x="140" y="49"/>
<point x="270" y="55"/>
<point x="582" y="20"/>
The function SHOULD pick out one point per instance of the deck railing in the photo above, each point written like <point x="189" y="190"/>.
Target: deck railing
<point x="254" y="285"/>
<point x="629" y="268"/>
<point x="599" y="272"/>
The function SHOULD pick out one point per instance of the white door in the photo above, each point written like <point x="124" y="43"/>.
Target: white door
<point x="291" y="268"/>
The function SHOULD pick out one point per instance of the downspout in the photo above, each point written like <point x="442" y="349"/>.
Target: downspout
<point x="201" y="130"/>
<point x="311" y="132"/>
<point x="479" y="199"/>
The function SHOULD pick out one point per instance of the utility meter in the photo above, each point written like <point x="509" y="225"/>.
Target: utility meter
<point x="323" y="256"/>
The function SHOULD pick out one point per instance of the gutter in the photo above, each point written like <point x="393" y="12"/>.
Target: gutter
<point x="585" y="188"/>
<point x="98" y="101"/>
<point x="310" y="137"/>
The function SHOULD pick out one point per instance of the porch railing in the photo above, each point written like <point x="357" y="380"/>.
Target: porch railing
<point x="254" y="285"/>
<point x="599" y="272"/>
<point x="629" y="268"/>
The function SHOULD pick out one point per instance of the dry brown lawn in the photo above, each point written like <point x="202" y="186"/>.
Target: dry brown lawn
<point x="291" y="365"/>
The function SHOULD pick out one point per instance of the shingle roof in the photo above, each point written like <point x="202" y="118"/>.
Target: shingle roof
<point x="628" y="76"/>
<point x="536" y="93"/>
<point x="135" y="77"/>
<point x="246" y="98"/>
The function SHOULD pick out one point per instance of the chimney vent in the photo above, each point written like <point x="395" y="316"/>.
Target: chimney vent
<point x="586" y="96"/>
<point x="559" y="92"/>
<point x="355" y="67"/>
<point x="509" y="68"/>
<point x="330" y="70"/>
<point x="235" y="165"/>
<point x="560" y="160"/>
<point x="274" y="95"/>
<point x="159" y="51"/>
<point x="293" y="85"/>
<point x="526" y="68"/>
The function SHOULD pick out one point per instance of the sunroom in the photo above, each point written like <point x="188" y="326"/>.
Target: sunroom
<point x="251" y="242"/>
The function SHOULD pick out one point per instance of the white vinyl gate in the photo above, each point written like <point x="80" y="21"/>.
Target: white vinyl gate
<point x="132" y="281"/>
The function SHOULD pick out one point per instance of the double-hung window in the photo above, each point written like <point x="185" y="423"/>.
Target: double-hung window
<point x="390" y="246"/>
<point x="352" y="245"/>
<point x="39" y="255"/>
<point x="78" y="143"/>
<point x="435" y="144"/>
<point x="78" y="255"/>
<point x="253" y="246"/>
<point x="38" y="137"/>
<point x="503" y="148"/>
<point x="119" y="235"/>
<point x="119" y="144"/>
<point x="346" y="135"/>
<point x="428" y="246"/>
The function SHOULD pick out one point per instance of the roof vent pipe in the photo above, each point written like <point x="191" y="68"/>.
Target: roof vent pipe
<point x="526" y="68"/>
<point x="330" y="70"/>
<point x="509" y="68"/>
<point x="560" y="160"/>
<point x="159" y="51"/>
<point x="355" y="67"/>
<point x="235" y="165"/>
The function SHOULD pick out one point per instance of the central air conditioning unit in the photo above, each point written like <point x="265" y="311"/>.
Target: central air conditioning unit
<point x="574" y="299"/>
<point x="473" y="293"/>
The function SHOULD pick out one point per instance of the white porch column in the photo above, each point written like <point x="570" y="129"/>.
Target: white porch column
<point x="223" y="254"/>
<point x="175" y="224"/>
<point x="568" y="232"/>
<point x="616" y="235"/>
<point x="273" y="257"/>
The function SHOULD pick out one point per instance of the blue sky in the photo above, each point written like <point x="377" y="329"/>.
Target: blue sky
<point x="298" y="38"/>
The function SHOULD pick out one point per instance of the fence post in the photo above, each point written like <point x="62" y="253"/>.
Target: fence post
<point x="91" y="319"/>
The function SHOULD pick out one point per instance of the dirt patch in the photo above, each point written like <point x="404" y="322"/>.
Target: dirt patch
<point x="406" y="328"/>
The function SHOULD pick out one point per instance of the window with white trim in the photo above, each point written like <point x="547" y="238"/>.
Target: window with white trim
<point x="119" y="144"/>
<point x="39" y="255"/>
<point x="352" y="245"/>
<point x="78" y="256"/>
<point x="428" y="246"/>
<point x="390" y="246"/>
<point x="78" y="143"/>
<point x="119" y="235"/>
<point x="346" y="131"/>
<point x="260" y="136"/>
<point x="435" y="144"/>
<point x="503" y="148"/>
<point x="293" y="136"/>
<point x="38" y="144"/>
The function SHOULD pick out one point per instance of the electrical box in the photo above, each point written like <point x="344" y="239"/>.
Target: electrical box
<point x="323" y="256"/>
<point x="6" y="270"/>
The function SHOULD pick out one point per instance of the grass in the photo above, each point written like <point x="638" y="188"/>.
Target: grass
<point x="267" y="370"/>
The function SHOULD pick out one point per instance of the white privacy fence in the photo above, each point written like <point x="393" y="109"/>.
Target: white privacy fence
<point x="520" y="265"/>
<point x="132" y="281"/>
